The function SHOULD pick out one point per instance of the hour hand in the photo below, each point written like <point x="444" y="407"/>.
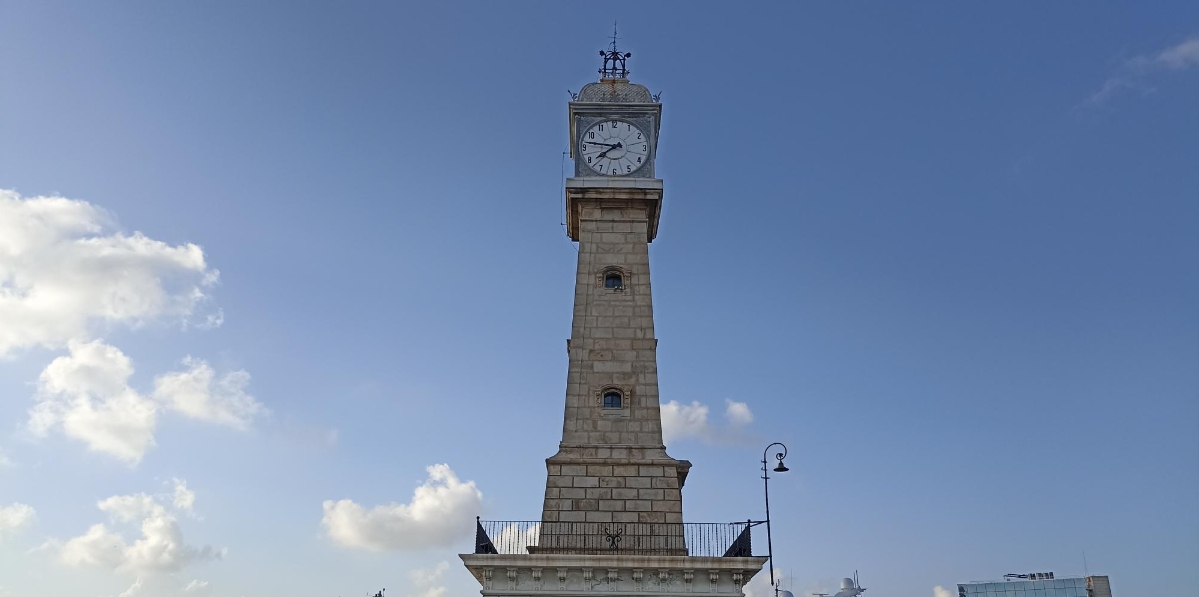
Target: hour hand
<point x="604" y="144"/>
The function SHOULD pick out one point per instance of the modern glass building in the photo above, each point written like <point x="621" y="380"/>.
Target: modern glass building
<point x="1087" y="586"/>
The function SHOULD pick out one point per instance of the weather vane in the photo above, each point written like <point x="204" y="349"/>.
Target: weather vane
<point x="614" y="60"/>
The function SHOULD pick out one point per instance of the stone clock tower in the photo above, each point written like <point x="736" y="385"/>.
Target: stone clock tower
<point x="612" y="519"/>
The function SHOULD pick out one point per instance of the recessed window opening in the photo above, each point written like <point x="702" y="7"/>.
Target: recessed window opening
<point x="613" y="281"/>
<point x="613" y="399"/>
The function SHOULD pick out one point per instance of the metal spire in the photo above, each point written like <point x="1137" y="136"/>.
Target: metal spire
<point x="614" y="60"/>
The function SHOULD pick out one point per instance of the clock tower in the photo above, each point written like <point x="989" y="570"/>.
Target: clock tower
<point x="612" y="517"/>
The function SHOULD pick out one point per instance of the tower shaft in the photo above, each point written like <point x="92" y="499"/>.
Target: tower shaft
<point x="611" y="470"/>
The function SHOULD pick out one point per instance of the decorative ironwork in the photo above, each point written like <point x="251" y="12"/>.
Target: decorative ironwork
<point x="613" y="538"/>
<point x="712" y="539"/>
<point x="614" y="60"/>
<point x="483" y="543"/>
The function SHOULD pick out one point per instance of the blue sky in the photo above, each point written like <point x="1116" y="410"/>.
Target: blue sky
<point x="946" y="253"/>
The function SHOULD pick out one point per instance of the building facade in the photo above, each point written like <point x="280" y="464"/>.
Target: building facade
<point x="612" y="517"/>
<point x="1040" y="584"/>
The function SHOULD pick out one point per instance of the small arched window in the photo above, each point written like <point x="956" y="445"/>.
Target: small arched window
<point x="613" y="399"/>
<point x="613" y="281"/>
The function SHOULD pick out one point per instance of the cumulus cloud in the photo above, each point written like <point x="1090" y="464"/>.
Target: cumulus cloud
<point x="939" y="591"/>
<point x="64" y="271"/>
<point x="86" y="393"/>
<point x="199" y="393"/>
<point x="683" y="421"/>
<point x="427" y="581"/>
<point x="159" y="550"/>
<point x="439" y="513"/>
<point x="15" y="518"/>
<point x="1135" y="73"/>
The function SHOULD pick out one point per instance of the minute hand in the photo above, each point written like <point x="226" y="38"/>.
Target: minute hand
<point x="598" y="143"/>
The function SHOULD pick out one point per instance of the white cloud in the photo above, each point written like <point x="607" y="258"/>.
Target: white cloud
<point x="682" y="421"/>
<point x="160" y="549"/>
<point x="200" y="394"/>
<point x="440" y="513"/>
<point x="86" y="393"/>
<point x="1134" y="73"/>
<point x="737" y="413"/>
<point x="15" y="518"/>
<point x="428" y="580"/>
<point x="64" y="271"/>
<point x="939" y="591"/>
<point x="184" y="498"/>
<point x="166" y="585"/>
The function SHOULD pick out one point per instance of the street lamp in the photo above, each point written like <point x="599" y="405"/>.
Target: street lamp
<point x="781" y="468"/>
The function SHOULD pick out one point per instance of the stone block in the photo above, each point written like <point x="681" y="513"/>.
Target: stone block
<point x="625" y="494"/>
<point x="665" y="506"/>
<point x="551" y="493"/>
<point x="585" y="481"/>
<point x="599" y="494"/>
<point x="638" y="505"/>
<point x="669" y="494"/>
<point x="586" y="504"/>
<point x="554" y="469"/>
<point x="599" y="517"/>
<point x="559" y="481"/>
<point x="572" y="516"/>
<point x="665" y="482"/>
<point x="611" y="481"/>
<point x="650" y="494"/>
<point x="637" y="482"/>
<point x="659" y="517"/>
<point x="611" y="505"/>
<point x="575" y="470"/>
<point x="674" y="517"/>
<point x="626" y="516"/>
<point x="599" y="471"/>
<point x="650" y="471"/>
<point x="572" y="493"/>
<point x="549" y="516"/>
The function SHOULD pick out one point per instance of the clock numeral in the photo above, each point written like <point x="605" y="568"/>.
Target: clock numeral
<point x="638" y="135"/>
<point x="588" y="160"/>
<point x="601" y="126"/>
<point x="591" y="135"/>
<point x="584" y="147"/>
<point x="638" y="160"/>
<point x="628" y="168"/>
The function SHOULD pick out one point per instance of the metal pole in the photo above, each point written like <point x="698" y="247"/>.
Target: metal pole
<point x="766" y="491"/>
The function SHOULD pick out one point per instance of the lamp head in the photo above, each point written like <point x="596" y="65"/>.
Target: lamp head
<point x="781" y="468"/>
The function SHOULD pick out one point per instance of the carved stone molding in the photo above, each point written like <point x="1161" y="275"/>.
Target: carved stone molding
<point x="714" y="577"/>
<point x="536" y="579"/>
<point x="512" y="579"/>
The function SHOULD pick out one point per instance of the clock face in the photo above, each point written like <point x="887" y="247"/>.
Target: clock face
<point x="614" y="148"/>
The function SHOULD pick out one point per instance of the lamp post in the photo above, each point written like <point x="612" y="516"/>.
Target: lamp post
<point x="781" y="468"/>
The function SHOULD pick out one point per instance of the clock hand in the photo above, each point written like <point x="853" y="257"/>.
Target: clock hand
<point x="598" y="143"/>
<point x="605" y="152"/>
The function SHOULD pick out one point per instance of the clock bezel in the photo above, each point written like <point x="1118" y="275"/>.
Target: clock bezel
<point x="584" y="118"/>
<point x="644" y="133"/>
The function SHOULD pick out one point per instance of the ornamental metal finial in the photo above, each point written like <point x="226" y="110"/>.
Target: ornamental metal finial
<point x="614" y="60"/>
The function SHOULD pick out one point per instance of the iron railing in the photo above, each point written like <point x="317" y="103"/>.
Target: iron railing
<point x="694" y="539"/>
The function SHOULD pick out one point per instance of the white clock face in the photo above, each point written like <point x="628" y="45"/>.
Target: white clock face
<point x="614" y="148"/>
